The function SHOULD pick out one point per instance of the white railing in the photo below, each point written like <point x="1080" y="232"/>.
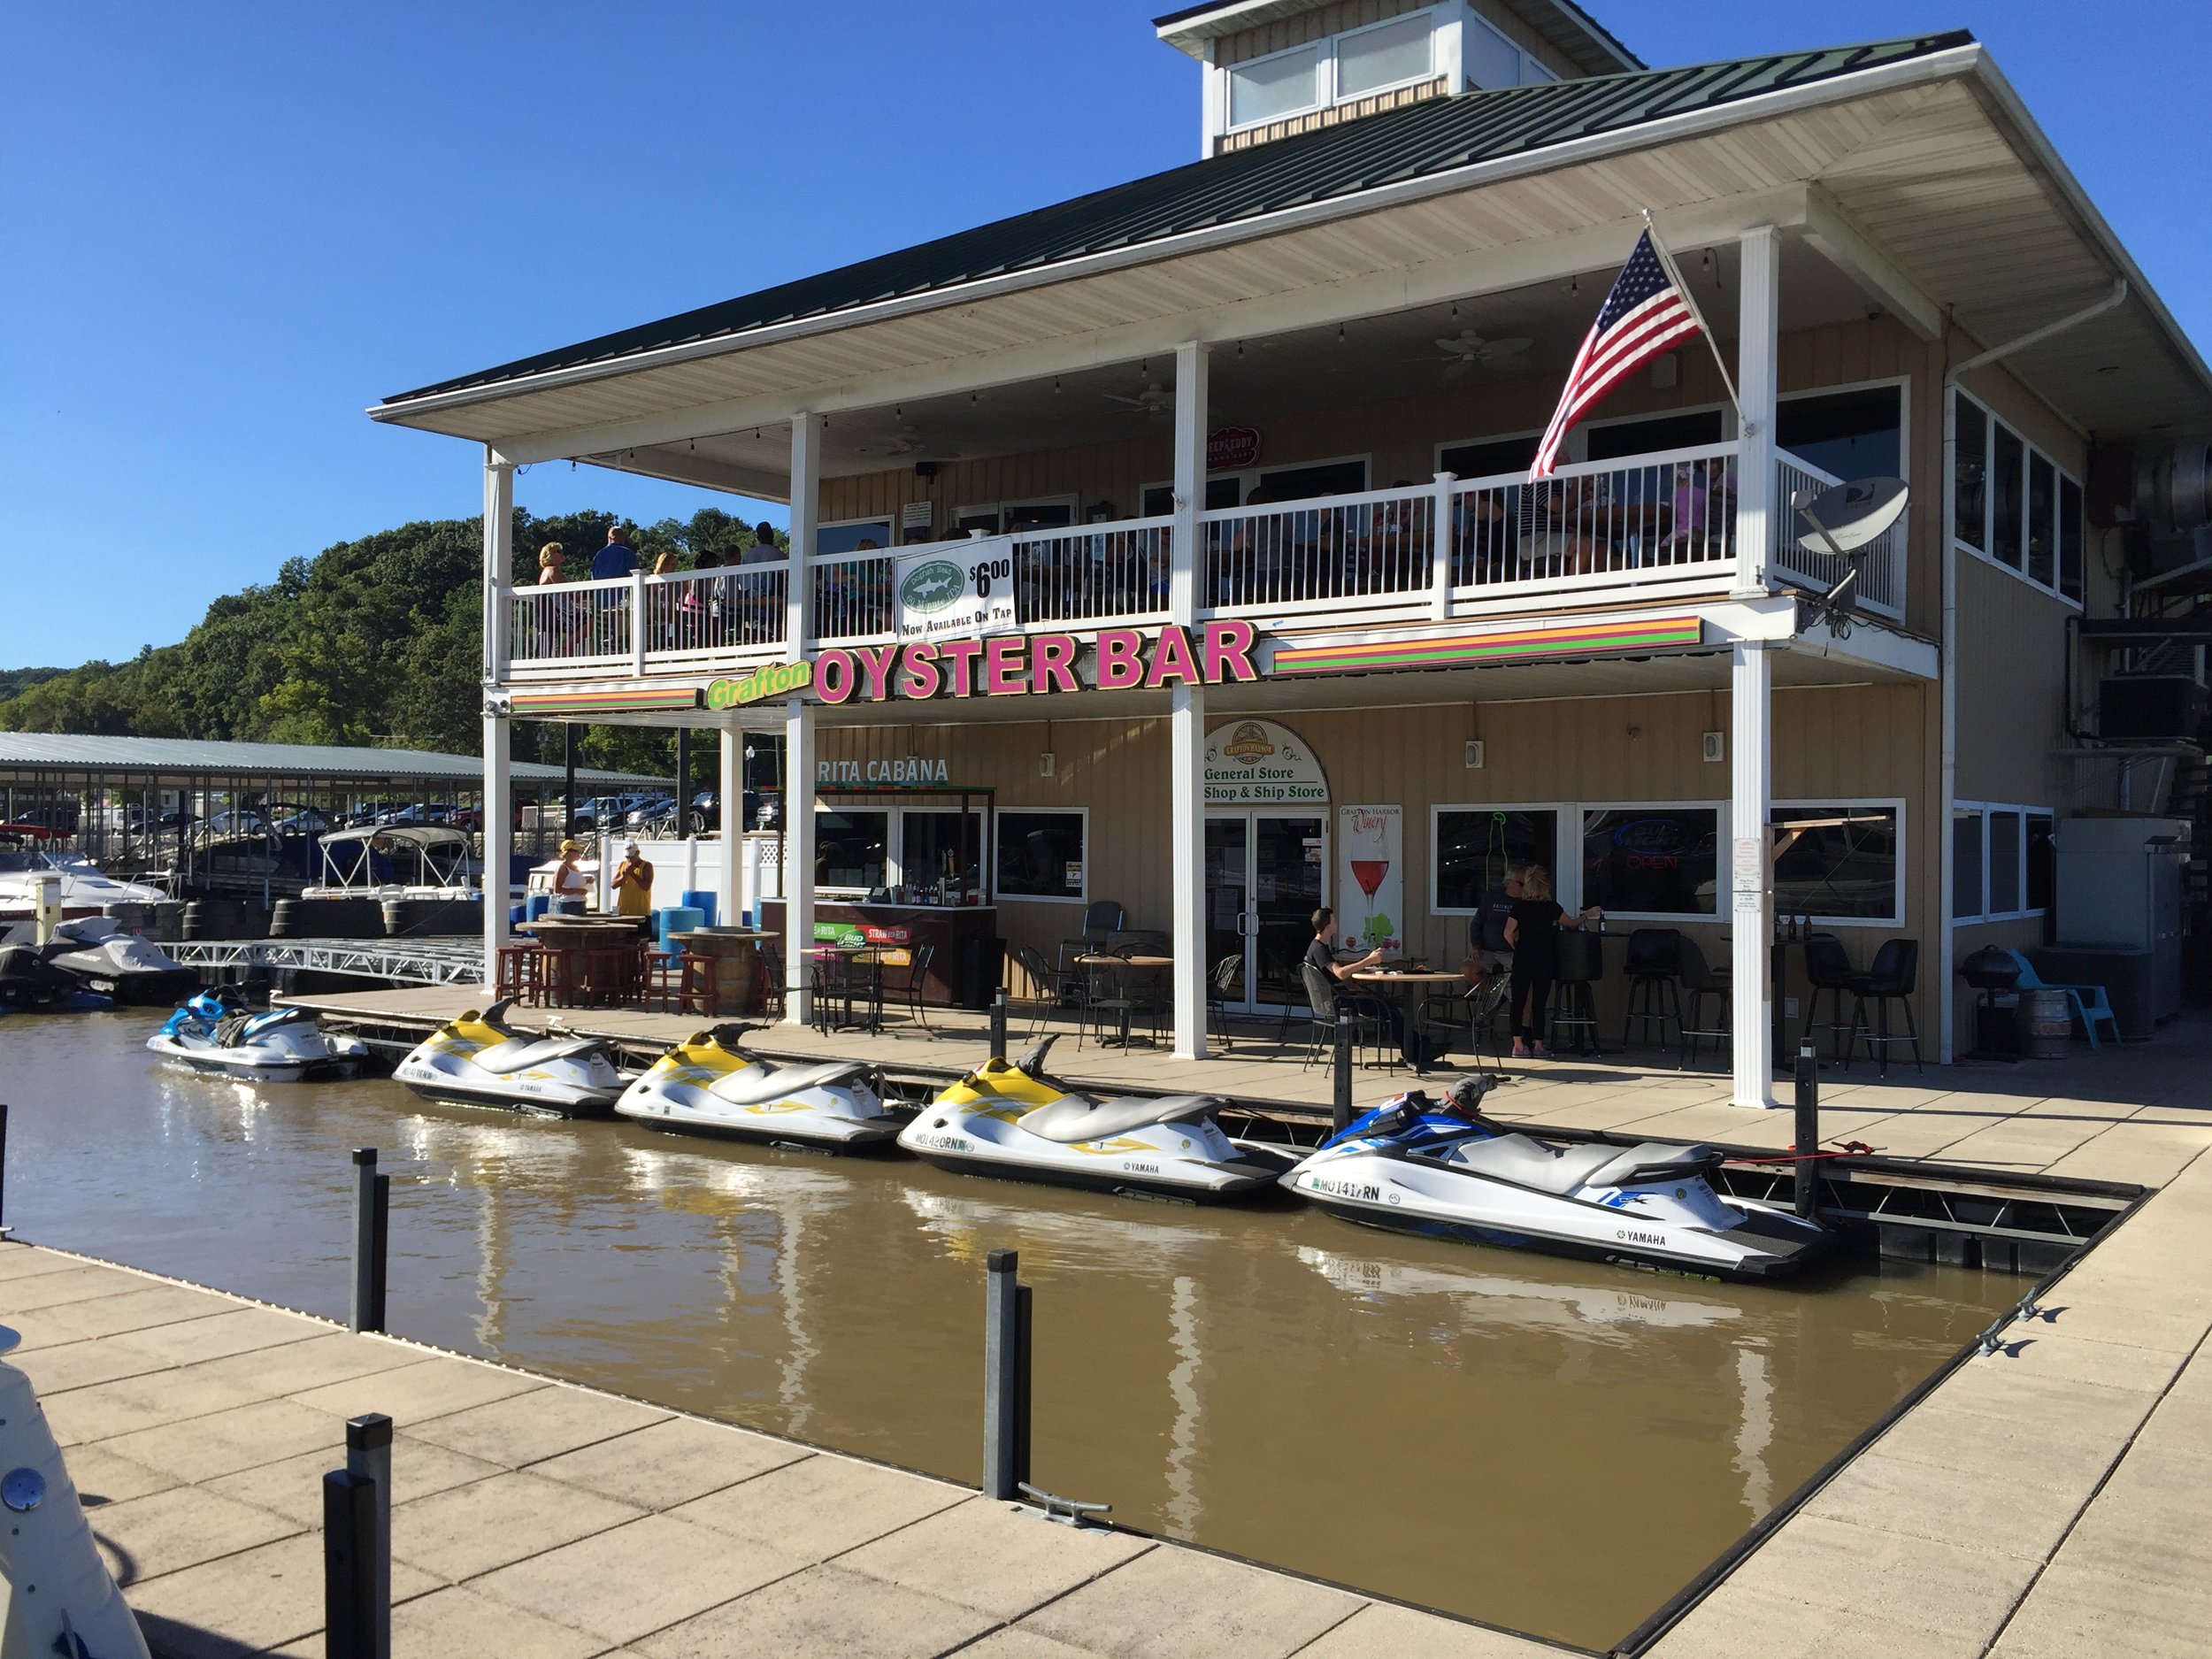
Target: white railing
<point x="1881" y="584"/>
<point x="1116" y="572"/>
<point x="852" y="598"/>
<point x="576" y="622"/>
<point x="1667" y="517"/>
<point x="1369" y="549"/>
<point x="720" y="610"/>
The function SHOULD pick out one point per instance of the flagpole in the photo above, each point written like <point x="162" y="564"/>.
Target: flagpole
<point x="1666" y="260"/>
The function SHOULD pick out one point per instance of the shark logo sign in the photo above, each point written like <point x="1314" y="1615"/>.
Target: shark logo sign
<point x="931" y="585"/>
<point x="956" y="591"/>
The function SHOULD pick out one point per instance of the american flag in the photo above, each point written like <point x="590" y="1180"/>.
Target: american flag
<point x="1642" y="318"/>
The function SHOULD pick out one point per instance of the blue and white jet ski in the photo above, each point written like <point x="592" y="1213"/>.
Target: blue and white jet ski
<point x="1415" y="1166"/>
<point x="213" y="1032"/>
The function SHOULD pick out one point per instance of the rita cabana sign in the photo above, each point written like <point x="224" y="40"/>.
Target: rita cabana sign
<point x="1007" y="665"/>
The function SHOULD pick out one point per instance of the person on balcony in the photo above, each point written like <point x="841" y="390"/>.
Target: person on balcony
<point x="616" y="559"/>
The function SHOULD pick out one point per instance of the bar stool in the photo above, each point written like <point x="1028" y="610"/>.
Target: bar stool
<point x="700" y="989"/>
<point x="1889" y="978"/>
<point x="1700" y="979"/>
<point x="1654" y="959"/>
<point x="520" y="977"/>
<point x="611" y="975"/>
<point x="1827" y="969"/>
<point x="1581" y="963"/>
<point x="561" y="978"/>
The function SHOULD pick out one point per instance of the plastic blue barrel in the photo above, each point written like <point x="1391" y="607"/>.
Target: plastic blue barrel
<point x="676" y="918"/>
<point x="517" y="914"/>
<point x="701" y="901"/>
<point x="536" y="904"/>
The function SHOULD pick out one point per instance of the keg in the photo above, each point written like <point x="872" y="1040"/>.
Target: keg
<point x="2046" y="1021"/>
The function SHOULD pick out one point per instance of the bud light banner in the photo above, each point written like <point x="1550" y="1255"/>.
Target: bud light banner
<point x="953" y="590"/>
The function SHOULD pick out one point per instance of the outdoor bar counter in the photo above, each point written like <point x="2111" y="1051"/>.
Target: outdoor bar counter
<point x="969" y="959"/>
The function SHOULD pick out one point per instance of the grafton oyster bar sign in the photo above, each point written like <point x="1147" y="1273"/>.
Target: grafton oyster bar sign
<point x="1008" y="665"/>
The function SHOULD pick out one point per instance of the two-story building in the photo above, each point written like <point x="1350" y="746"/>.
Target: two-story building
<point x="1175" y="545"/>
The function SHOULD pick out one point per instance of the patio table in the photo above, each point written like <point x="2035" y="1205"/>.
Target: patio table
<point x="1413" y="982"/>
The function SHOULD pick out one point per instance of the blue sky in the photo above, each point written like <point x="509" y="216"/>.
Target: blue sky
<point x="230" y="228"/>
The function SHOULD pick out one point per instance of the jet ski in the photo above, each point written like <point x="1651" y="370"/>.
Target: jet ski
<point x="707" y="1085"/>
<point x="1015" y="1121"/>
<point x="1417" y="1165"/>
<point x="480" y="1060"/>
<point x="215" y="1032"/>
<point x="102" y="958"/>
<point x="28" y="980"/>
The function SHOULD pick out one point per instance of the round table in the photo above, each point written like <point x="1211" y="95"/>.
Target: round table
<point x="1412" y="980"/>
<point x="1122" y="966"/>
<point x="737" y="952"/>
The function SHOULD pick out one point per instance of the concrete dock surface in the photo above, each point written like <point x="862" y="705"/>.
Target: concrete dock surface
<point x="536" y="1520"/>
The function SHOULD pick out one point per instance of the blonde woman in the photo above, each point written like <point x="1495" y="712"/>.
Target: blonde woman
<point x="550" y="559"/>
<point x="556" y="620"/>
<point x="1532" y="933"/>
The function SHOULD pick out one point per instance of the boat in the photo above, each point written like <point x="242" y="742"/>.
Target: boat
<point x="103" y="957"/>
<point x="27" y="980"/>
<point x="708" y="1085"/>
<point x="83" y="888"/>
<point x="1417" y="1165"/>
<point x="480" y="1060"/>
<point x="1013" y="1121"/>
<point x="215" y="1032"/>
<point x="395" y="861"/>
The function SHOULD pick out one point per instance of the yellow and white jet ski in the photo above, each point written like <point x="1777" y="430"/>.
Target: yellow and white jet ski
<point x="480" y="1060"/>
<point x="708" y="1085"/>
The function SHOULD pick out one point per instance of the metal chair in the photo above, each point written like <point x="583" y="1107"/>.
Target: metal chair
<point x="1700" y="979"/>
<point x="1654" y="961"/>
<point x="1828" y="969"/>
<point x="917" y="973"/>
<point x="1889" y="978"/>
<point x="1102" y="918"/>
<point x="1226" y="972"/>
<point x="771" y="981"/>
<point x="1048" y="991"/>
<point x="1332" y="1009"/>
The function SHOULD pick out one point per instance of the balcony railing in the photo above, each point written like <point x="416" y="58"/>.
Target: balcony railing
<point x="1647" y="526"/>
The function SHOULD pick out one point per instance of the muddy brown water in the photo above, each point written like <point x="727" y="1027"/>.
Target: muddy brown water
<point x="1550" y="1446"/>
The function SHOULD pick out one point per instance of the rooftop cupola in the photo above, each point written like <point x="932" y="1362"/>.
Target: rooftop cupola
<point x="1277" y="67"/>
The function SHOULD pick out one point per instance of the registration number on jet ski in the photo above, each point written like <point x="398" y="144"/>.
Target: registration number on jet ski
<point x="946" y="1143"/>
<point x="1345" y="1189"/>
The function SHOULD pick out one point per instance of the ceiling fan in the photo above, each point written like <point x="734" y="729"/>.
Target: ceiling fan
<point x="1153" y="401"/>
<point x="907" y="441"/>
<point x="1467" y="350"/>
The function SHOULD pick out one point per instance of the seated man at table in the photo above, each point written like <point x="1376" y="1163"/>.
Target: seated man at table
<point x="1418" y="1050"/>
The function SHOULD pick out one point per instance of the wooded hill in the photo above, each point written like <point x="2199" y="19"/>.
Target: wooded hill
<point x="374" y="642"/>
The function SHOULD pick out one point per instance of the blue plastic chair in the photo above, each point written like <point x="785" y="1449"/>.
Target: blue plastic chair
<point x="2091" y="1005"/>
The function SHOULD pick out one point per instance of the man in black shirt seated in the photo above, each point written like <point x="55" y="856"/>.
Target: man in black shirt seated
<point x="1419" y="1052"/>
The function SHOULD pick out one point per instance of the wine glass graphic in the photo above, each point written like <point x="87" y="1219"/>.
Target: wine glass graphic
<point x="1369" y="873"/>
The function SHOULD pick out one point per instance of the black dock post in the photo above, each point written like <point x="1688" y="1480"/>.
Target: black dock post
<point x="998" y="1025"/>
<point x="4" y="1231"/>
<point x="369" y="1460"/>
<point x="1005" y="1380"/>
<point x="371" y="1212"/>
<point x="1341" y="1111"/>
<point x="1807" y="1166"/>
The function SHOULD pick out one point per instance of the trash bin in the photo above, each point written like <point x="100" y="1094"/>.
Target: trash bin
<point x="702" y="901"/>
<point x="2046" y="1025"/>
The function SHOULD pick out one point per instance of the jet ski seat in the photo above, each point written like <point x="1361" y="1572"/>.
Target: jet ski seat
<point x="756" y="1083"/>
<point x="1527" y="1163"/>
<point x="1074" y="1117"/>
<point x="519" y="1054"/>
<point x="1652" y="1162"/>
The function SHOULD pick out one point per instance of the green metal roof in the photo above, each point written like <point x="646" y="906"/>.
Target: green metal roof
<point x="23" y="752"/>
<point x="1336" y="162"/>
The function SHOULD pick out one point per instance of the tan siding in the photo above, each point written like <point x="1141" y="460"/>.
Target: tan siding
<point x="1333" y="115"/>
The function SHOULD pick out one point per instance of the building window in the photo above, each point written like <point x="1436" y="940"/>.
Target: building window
<point x="2070" y="532"/>
<point x="2042" y="529"/>
<point x="1851" y="870"/>
<point x="849" y="849"/>
<point x="1387" y="55"/>
<point x="1041" y="856"/>
<point x="2008" y="461"/>
<point x="1269" y="89"/>
<point x="1966" y="865"/>
<point x="2042" y="874"/>
<point x="1969" y="473"/>
<point x="847" y="537"/>
<point x="1652" y="860"/>
<point x="2004" y="862"/>
<point x="1491" y="61"/>
<point x="1490" y="458"/>
<point x="1851" y="434"/>
<point x="940" y="846"/>
<point x="1474" y="846"/>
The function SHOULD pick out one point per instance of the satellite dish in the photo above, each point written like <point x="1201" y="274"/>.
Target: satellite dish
<point x="1844" y="518"/>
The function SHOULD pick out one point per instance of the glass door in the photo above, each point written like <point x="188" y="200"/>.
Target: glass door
<point x="1265" y="876"/>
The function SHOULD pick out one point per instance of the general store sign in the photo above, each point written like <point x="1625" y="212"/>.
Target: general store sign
<point x="952" y="590"/>
<point x="1008" y="666"/>
<point x="1257" y="762"/>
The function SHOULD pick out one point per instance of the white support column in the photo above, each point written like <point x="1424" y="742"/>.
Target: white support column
<point x="1193" y="366"/>
<point x="1440" y="547"/>
<point x="499" y="535"/>
<point x="806" y="482"/>
<point x="798" y="853"/>
<point x="1186" y="835"/>
<point x="1757" y="380"/>
<point x="730" y="898"/>
<point x="1751" y="917"/>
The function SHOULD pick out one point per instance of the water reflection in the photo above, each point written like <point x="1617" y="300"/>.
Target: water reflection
<point x="1476" y="1430"/>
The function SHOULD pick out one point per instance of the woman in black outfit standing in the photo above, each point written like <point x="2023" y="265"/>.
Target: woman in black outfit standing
<point x="1532" y="932"/>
